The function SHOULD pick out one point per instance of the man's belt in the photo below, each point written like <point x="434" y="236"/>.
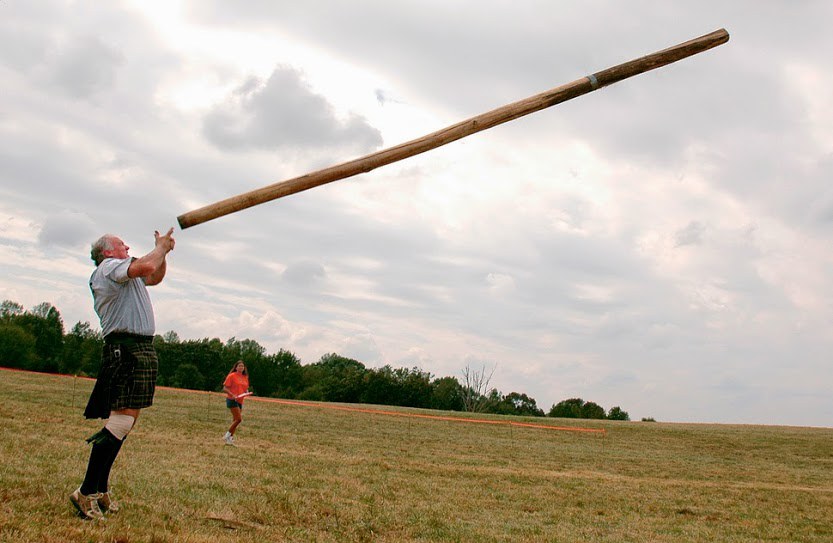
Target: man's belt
<point x="125" y="338"/>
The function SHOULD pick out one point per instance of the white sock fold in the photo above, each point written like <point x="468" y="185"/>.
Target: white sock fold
<point x="119" y="425"/>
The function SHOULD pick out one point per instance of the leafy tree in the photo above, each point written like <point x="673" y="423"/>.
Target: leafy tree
<point x="188" y="376"/>
<point x="616" y="413"/>
<point x="85" y="331"/>
<point x="591" y="410"/>
<point x="577" y="408"/>
<point x="82" y="350"/>
<point x="287" y="374"/>
<point x="339" y="378"/>
<point x="446" y="394"/>
<point x="44" y="323"/>
<point x="414" y="387"/>
<point x="567" y="409"/>
<point x="35" y="340"/>
<point x="210" y="357"/>
<point x="274" y="375"/>
<point x="492" y="402"/>
<point x="312" y="393"/>
<point x="170" y="356"/>
<point x="9" y="309"/>
<point x="516" y="403"/>
<point x="379" y="386"/>
<point x="17" y="346"/>
<point x="247" y="350"/>
<point x="205" y="354"/>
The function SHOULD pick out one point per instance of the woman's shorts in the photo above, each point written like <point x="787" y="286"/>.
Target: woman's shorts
<point x="232" y="403"/>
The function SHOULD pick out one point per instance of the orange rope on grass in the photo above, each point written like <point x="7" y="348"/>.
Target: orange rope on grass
<point x="371" y="411"/>
<point x="434" y="417"/>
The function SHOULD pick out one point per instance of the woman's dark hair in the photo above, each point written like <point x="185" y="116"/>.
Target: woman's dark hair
<point x="234" y="367"/>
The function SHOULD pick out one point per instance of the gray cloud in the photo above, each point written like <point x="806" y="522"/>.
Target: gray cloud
<point x="85" y="66"/>
<point x="691" y="234"/>
<point x="282" y="112"/>
<point x="67" y="229"/>
<point x="304" y="274"/>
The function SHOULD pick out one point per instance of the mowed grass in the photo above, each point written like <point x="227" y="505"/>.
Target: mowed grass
<point x="320" y="474"/>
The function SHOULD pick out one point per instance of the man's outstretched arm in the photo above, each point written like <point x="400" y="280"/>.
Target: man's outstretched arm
<point x="152" y="266"/>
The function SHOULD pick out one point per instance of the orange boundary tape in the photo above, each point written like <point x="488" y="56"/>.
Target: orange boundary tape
<point x="298" y="403"/>
<point x="432" y="417"/>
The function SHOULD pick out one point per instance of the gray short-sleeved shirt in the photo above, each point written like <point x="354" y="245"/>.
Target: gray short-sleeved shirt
<point x="122" y="303"/>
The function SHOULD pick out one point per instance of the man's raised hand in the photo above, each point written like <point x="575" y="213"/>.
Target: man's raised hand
<point x="167" y="241"/>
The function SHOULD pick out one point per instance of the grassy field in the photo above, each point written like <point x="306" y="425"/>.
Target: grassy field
<point x="320" y="474"/>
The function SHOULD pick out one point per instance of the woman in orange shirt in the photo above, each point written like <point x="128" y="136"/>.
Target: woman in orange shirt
<point x="236" y="387"/>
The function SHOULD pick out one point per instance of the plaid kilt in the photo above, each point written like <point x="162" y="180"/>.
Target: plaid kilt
<point x="126" y="380"/>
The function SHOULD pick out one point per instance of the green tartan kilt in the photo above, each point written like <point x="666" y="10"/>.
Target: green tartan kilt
<point x="126" y="380"/>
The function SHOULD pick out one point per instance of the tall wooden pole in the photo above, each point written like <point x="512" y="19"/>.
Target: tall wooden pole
<point x="456" y="131"/>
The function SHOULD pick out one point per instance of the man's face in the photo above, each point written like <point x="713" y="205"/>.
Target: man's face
<point x="119" y="249"/>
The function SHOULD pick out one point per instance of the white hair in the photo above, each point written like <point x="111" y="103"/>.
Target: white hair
<point x="104" y="243"/>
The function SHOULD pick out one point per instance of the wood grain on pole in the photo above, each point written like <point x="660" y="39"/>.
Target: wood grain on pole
<point x="456" y="131"/>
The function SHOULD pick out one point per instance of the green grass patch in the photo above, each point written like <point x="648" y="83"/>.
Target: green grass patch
<point x="324" y="475"/>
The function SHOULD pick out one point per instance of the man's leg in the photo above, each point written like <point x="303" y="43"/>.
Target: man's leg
<point x="85" y="498"/>
<point x="119" y="424"/>
<point x="106" y="444"/>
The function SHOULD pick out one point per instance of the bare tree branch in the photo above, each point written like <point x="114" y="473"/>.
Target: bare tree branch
<point x="475" y="386"/>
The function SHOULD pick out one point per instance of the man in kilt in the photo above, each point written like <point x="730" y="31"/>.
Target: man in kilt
<point x="127" y="379"/>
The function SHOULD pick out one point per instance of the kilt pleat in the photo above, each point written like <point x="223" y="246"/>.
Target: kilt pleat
<point x="126" y="380"/>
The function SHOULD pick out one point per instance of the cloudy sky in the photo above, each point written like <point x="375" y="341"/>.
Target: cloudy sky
<point x="662" y="244"/>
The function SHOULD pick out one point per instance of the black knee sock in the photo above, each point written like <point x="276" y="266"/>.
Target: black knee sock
<point x="104" y="474"/>
<point x="100" y="456"/>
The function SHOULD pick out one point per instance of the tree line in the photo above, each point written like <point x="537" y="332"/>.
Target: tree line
<point x="35" y="340"/>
